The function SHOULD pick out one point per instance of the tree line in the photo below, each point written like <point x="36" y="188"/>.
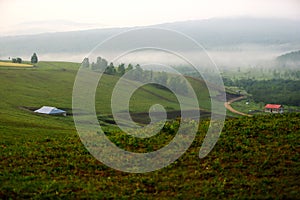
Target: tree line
<point x="278" y="91"/>
<point x="101" y="65"/>
<point x="162" y="79"/>
<point x="33" y="59"/>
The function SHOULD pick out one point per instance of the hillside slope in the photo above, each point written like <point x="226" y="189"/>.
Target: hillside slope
<point x="51" y="84"/>
<point x="255" y="158"/>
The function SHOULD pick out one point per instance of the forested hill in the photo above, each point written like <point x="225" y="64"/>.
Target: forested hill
<point x="277" y="91"/>
<point x="293" y="56"/>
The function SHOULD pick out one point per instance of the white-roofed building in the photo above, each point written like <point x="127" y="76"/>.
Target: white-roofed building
<point x="51" y="111"/>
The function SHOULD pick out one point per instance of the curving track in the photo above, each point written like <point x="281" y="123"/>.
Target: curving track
<point x="228" y="106"/>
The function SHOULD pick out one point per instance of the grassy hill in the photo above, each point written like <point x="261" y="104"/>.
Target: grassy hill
<point x="43" y="157"/>
<point x="51" y="83"/>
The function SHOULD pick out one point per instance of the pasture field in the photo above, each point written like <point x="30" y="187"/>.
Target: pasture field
<point x="249" y="107"/>
<point x="42" y="156"/>
<point x="51" y="83"/>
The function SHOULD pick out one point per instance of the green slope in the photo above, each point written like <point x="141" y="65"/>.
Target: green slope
<point x="42" y="156"/>
<point x="51" y="83"/>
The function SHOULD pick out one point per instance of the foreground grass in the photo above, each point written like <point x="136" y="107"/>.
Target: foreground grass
<point x="255" y="157"/>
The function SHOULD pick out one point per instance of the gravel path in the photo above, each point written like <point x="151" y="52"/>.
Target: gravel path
<point x="228" y="106"/>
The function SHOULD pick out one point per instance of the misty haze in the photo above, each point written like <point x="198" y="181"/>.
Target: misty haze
<point x="231" y="42"/>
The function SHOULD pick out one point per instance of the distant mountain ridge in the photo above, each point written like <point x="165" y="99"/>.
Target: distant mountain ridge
<point x="211" y="33"/>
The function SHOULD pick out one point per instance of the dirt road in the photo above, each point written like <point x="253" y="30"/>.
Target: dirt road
<point x="228" y="106"/>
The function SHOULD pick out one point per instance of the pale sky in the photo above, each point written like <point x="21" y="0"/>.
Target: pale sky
<point x="35" y="16"/>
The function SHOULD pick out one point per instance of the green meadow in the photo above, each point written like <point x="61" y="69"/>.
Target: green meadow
<point x="42" y="156"/>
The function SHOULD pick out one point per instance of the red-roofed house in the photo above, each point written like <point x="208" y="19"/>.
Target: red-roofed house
<point x="274" y="108"/>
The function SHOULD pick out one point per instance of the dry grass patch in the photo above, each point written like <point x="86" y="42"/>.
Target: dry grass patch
<point x="8" y="64"/>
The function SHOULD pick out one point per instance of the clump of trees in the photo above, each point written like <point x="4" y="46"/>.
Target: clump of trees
<point x="16" y="60"/>
<point x="111" y="70"/>
<point x="101" y="65"/>
<point x="85" y="63"/>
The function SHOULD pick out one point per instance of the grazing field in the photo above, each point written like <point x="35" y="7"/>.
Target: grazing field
<point x="51" y="83"/>
<point x="43" y="157"/>
<point x="9" y="64"/>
